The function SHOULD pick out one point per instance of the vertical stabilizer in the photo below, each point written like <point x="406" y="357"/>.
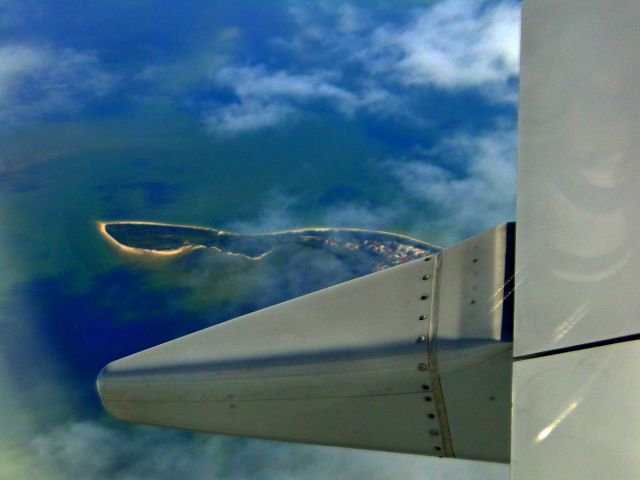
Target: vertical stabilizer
<point x="576" y="371"/>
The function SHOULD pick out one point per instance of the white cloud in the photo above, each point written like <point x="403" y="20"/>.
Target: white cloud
<point x="455" y="44"/>
<point x="94" y="451"/>
<point x="248" y="115"/>
<point x="473" y="191"/>
<point x="361" y="216"/>
<point x="344" y="59"/>
<point x="283" y="212"/>
<point x="277" y="213"/>
<point x="351" y="19"/>
<point x="461" y="187"/>
<point x="41" y="80"/>
<point x="249" y="82"/>
<point x="266" y="98"/>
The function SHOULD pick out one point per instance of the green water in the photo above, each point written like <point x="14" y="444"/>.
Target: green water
<point x="60" y="178"/>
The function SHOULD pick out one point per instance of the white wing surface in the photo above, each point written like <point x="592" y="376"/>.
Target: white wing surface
<point x="415" y="358"/>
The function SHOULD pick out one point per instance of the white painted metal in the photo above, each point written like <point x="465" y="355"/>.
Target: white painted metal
<point x="471" y="280"/>
<point x="473" y="364"/>
<point x="575" y="415"/>
<point x="577" y="257"/>
<point x="360" y="364"/>
<point x="340" y="366"/>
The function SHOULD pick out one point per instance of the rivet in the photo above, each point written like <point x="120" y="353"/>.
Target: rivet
<point x="426" y="277"/>
<point x="422" y="366"/>
<point x="435" y="433"/>
<point x="422" y="317"/>
<point x="421" y="338"/>
<point x="438" y="449"/>
<point x="424" y="297"/>
<point x="427" y="259"/>
<point x="473" y="302"/>
<point x="428" y="399"/>
<point x="425" y="387"/>
<point x="431" y="415"/>
<point x="475" y="260"/>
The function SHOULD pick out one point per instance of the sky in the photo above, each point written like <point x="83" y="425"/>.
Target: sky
<point x="247" y="115"/>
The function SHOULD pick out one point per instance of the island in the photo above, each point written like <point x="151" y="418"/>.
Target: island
<point x="382" y="249"/>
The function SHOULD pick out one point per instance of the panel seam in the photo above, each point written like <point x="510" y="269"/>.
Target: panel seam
<point x="575" y="348"/>
<point x="443" y="421"/>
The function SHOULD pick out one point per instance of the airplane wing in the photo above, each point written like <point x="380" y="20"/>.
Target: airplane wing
<point x="418" y="358"/>
<point x="408" y="359"/>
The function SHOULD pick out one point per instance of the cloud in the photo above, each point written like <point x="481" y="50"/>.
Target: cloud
<point x="351" y="19"/>
<point x="461" y="187"/>
<point x="474" y="189"/>
<point x="247" y="115"/>
<point x="14" y="12"/>
<point x="93" y="450"/>
<point x="265" y="98"/>
<point x="278" y="212"/>
<point x="283" y="212"/>
<point x="248" y="82"/>
<point x="456" y="44"/>
<point x="360" y="216"/>
<point x="451" y="45"/>
<point x="41" y="80"/>
<point x="343" y="56"/>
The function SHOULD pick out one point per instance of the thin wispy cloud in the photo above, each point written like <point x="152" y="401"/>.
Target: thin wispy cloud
<point x="265" y="98"/>
<point x="258" y="82"/>
<point x="361" y="216"/>
<point x="473" y="191"/>
<point x="377" y="68"/>
<point x="278" y="212"/>
<point x="318" y="60"/>
<point x="462" y="186"/>
<point x="70" y="451"/>
<point x="42" y="80"/>
<point x="247" y="115"/>
<point x="453" y="44"/>
<point x="13" y="12"/>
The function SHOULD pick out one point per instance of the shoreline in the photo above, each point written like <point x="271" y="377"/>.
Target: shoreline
<point x="102" y="227"/>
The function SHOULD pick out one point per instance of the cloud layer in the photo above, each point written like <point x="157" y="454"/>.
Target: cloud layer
<point x="37" y="80"/>
<point x="444" y="194"/>
<point x="360" y="65"/>
<point x="339" y="59"/>
<point x="335" y="56"/>
<point x="268" y="98"/>
<point x="454" y="45"/>
<point x="473" y="191"/>
<point x="94" y="451"/>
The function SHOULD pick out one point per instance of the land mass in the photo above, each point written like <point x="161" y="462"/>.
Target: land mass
<point x="384" y="249"/>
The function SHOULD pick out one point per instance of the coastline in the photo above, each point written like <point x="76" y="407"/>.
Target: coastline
<point x="102" y="227"/>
